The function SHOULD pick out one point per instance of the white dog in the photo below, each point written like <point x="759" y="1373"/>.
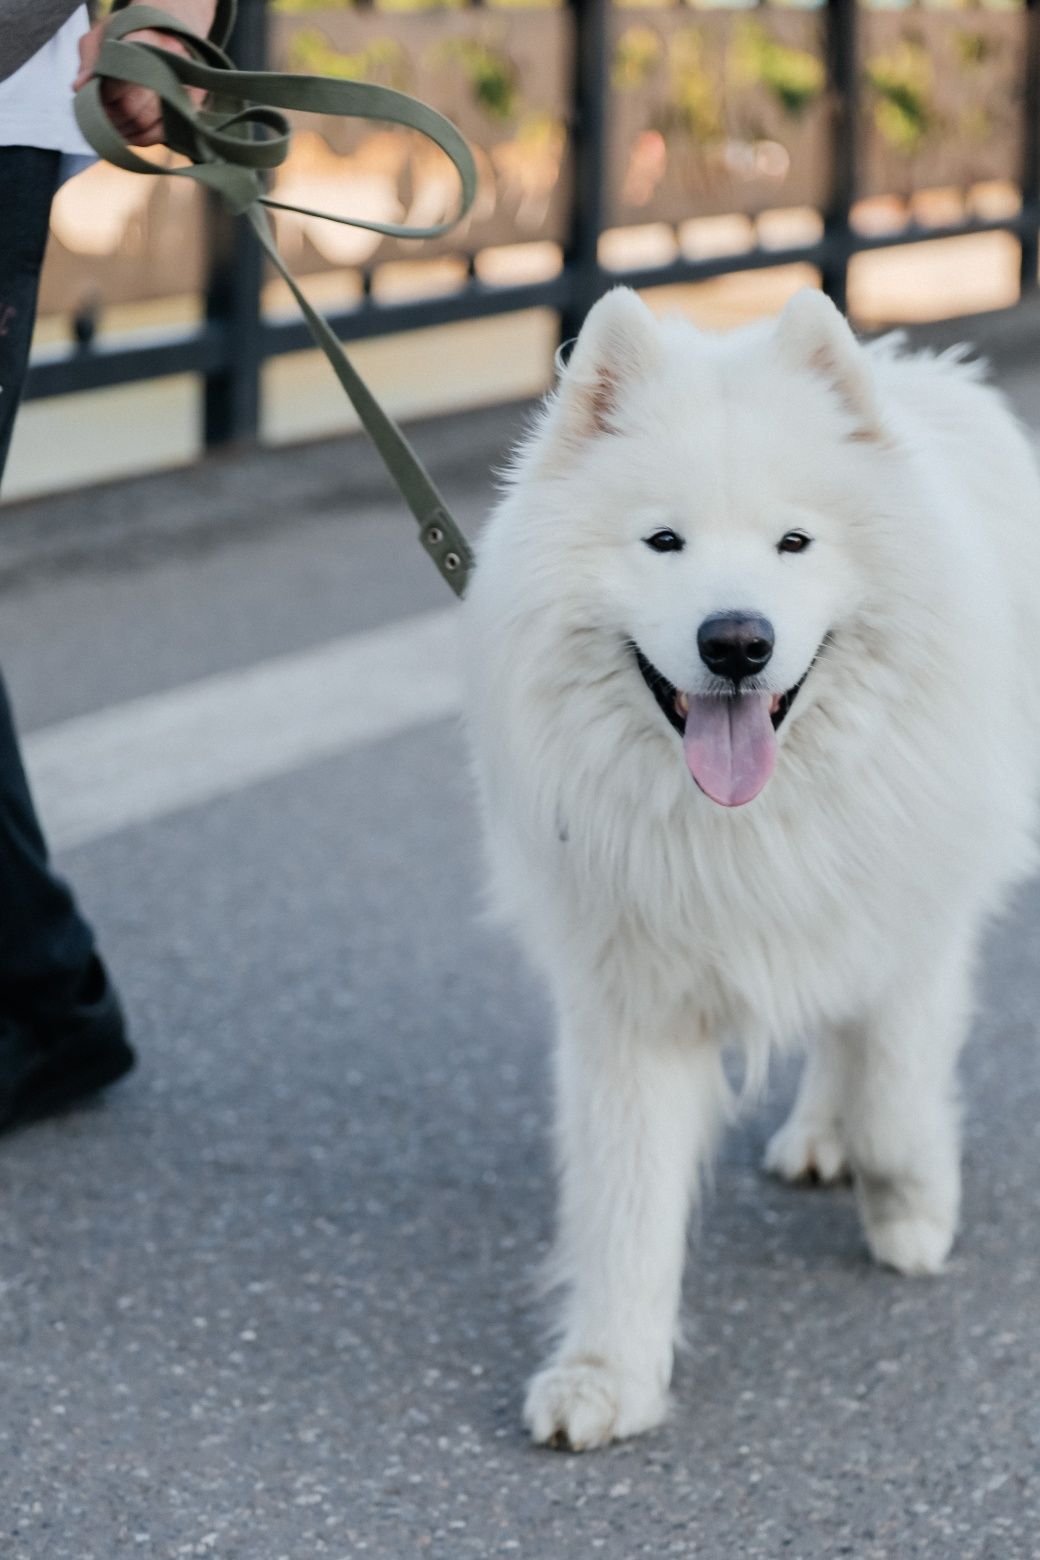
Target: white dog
<point x="754" y="657"/>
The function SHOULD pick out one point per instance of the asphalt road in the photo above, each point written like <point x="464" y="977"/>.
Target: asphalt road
<point x="272" y="1297"/>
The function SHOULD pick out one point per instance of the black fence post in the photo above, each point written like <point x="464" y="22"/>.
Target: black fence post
<point x="234" y="275"/>
<point x="588" y="114"/>
<point x="1030" y="258"/>
<point x="843" y="89"/>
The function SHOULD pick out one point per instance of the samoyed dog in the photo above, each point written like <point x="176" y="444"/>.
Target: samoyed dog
<point x="754" y="661"/>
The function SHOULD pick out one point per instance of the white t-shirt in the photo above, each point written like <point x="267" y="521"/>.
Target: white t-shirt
<point x="36" y="102"/>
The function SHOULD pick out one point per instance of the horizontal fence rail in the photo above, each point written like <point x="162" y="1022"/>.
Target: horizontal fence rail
<point x="228" y="347"/>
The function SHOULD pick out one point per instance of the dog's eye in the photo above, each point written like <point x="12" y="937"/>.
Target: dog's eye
<point x="665" y="541"/>
<point x="793" y="541"/>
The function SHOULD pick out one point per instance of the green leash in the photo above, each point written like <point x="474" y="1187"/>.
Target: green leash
<point x="219" y="142"/>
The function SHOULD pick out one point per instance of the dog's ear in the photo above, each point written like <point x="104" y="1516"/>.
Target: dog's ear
<point x="813" y="334"/>
<point x="618" y="345"/>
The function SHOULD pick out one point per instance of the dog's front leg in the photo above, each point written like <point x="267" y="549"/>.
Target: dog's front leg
<point x="901" y="1117"/>
<point x="637" y="1113"/>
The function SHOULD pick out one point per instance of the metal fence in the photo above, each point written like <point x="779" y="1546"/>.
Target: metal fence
<point x="228" y="348"/>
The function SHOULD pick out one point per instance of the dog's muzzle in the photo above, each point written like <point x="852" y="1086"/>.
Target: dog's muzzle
<point x="674" y="704"/>
<point x="728" y="737"/>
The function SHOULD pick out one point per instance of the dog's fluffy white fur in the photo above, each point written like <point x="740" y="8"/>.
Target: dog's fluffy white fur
<point x="844" y="904"/>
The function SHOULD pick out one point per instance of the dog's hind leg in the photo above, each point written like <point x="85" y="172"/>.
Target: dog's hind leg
<point x="637" y="1113"/>
<point x="902" y="1118"/>
<point x="809" y="1145"/>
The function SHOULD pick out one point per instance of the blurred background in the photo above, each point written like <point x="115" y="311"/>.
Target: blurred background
<point x="716" y="156"/>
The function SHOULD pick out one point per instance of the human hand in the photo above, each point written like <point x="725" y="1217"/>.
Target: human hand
<point x="134" y="111"/>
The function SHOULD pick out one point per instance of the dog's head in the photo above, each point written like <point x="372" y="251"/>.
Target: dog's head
<point x="709" y="489"/>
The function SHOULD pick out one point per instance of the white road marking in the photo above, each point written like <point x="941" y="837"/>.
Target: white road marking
<point x="99" y="773"/>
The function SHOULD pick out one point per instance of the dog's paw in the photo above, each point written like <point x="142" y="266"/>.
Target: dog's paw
<point x="915" y="1246"/>
<point x="579" y="1404"/>
<point x="806" y="1150"/>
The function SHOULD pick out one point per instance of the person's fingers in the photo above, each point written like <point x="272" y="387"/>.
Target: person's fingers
<point x="129" y="128"/>
<point x="154" y="135"/>
<point x="129" y="103"/>
<point x="89" y="49"/>
<point x="133" y="126"/>
<point x="134" y="111"/>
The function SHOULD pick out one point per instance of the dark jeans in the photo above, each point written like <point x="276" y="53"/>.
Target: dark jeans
<point x="27" y="180"/>
<point x="46" y="947"/>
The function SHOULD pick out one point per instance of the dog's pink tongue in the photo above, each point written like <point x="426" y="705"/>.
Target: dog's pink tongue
<point x="730" y="746"/>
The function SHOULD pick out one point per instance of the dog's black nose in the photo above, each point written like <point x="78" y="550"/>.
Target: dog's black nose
<point x="735" y="644"/>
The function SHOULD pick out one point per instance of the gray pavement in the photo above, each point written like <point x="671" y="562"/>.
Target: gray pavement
<point x="272" y="1297"/>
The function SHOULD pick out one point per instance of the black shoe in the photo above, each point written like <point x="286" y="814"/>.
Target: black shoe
<point x="48" y="1064"/>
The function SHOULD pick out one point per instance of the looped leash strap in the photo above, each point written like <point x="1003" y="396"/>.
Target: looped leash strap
<point x="239" y="136"/>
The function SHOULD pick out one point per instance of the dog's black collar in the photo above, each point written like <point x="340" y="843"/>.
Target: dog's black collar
<point x="666" y="693"/>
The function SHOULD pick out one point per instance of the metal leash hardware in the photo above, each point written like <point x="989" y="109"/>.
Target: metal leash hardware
<point x="223" y="155"/>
